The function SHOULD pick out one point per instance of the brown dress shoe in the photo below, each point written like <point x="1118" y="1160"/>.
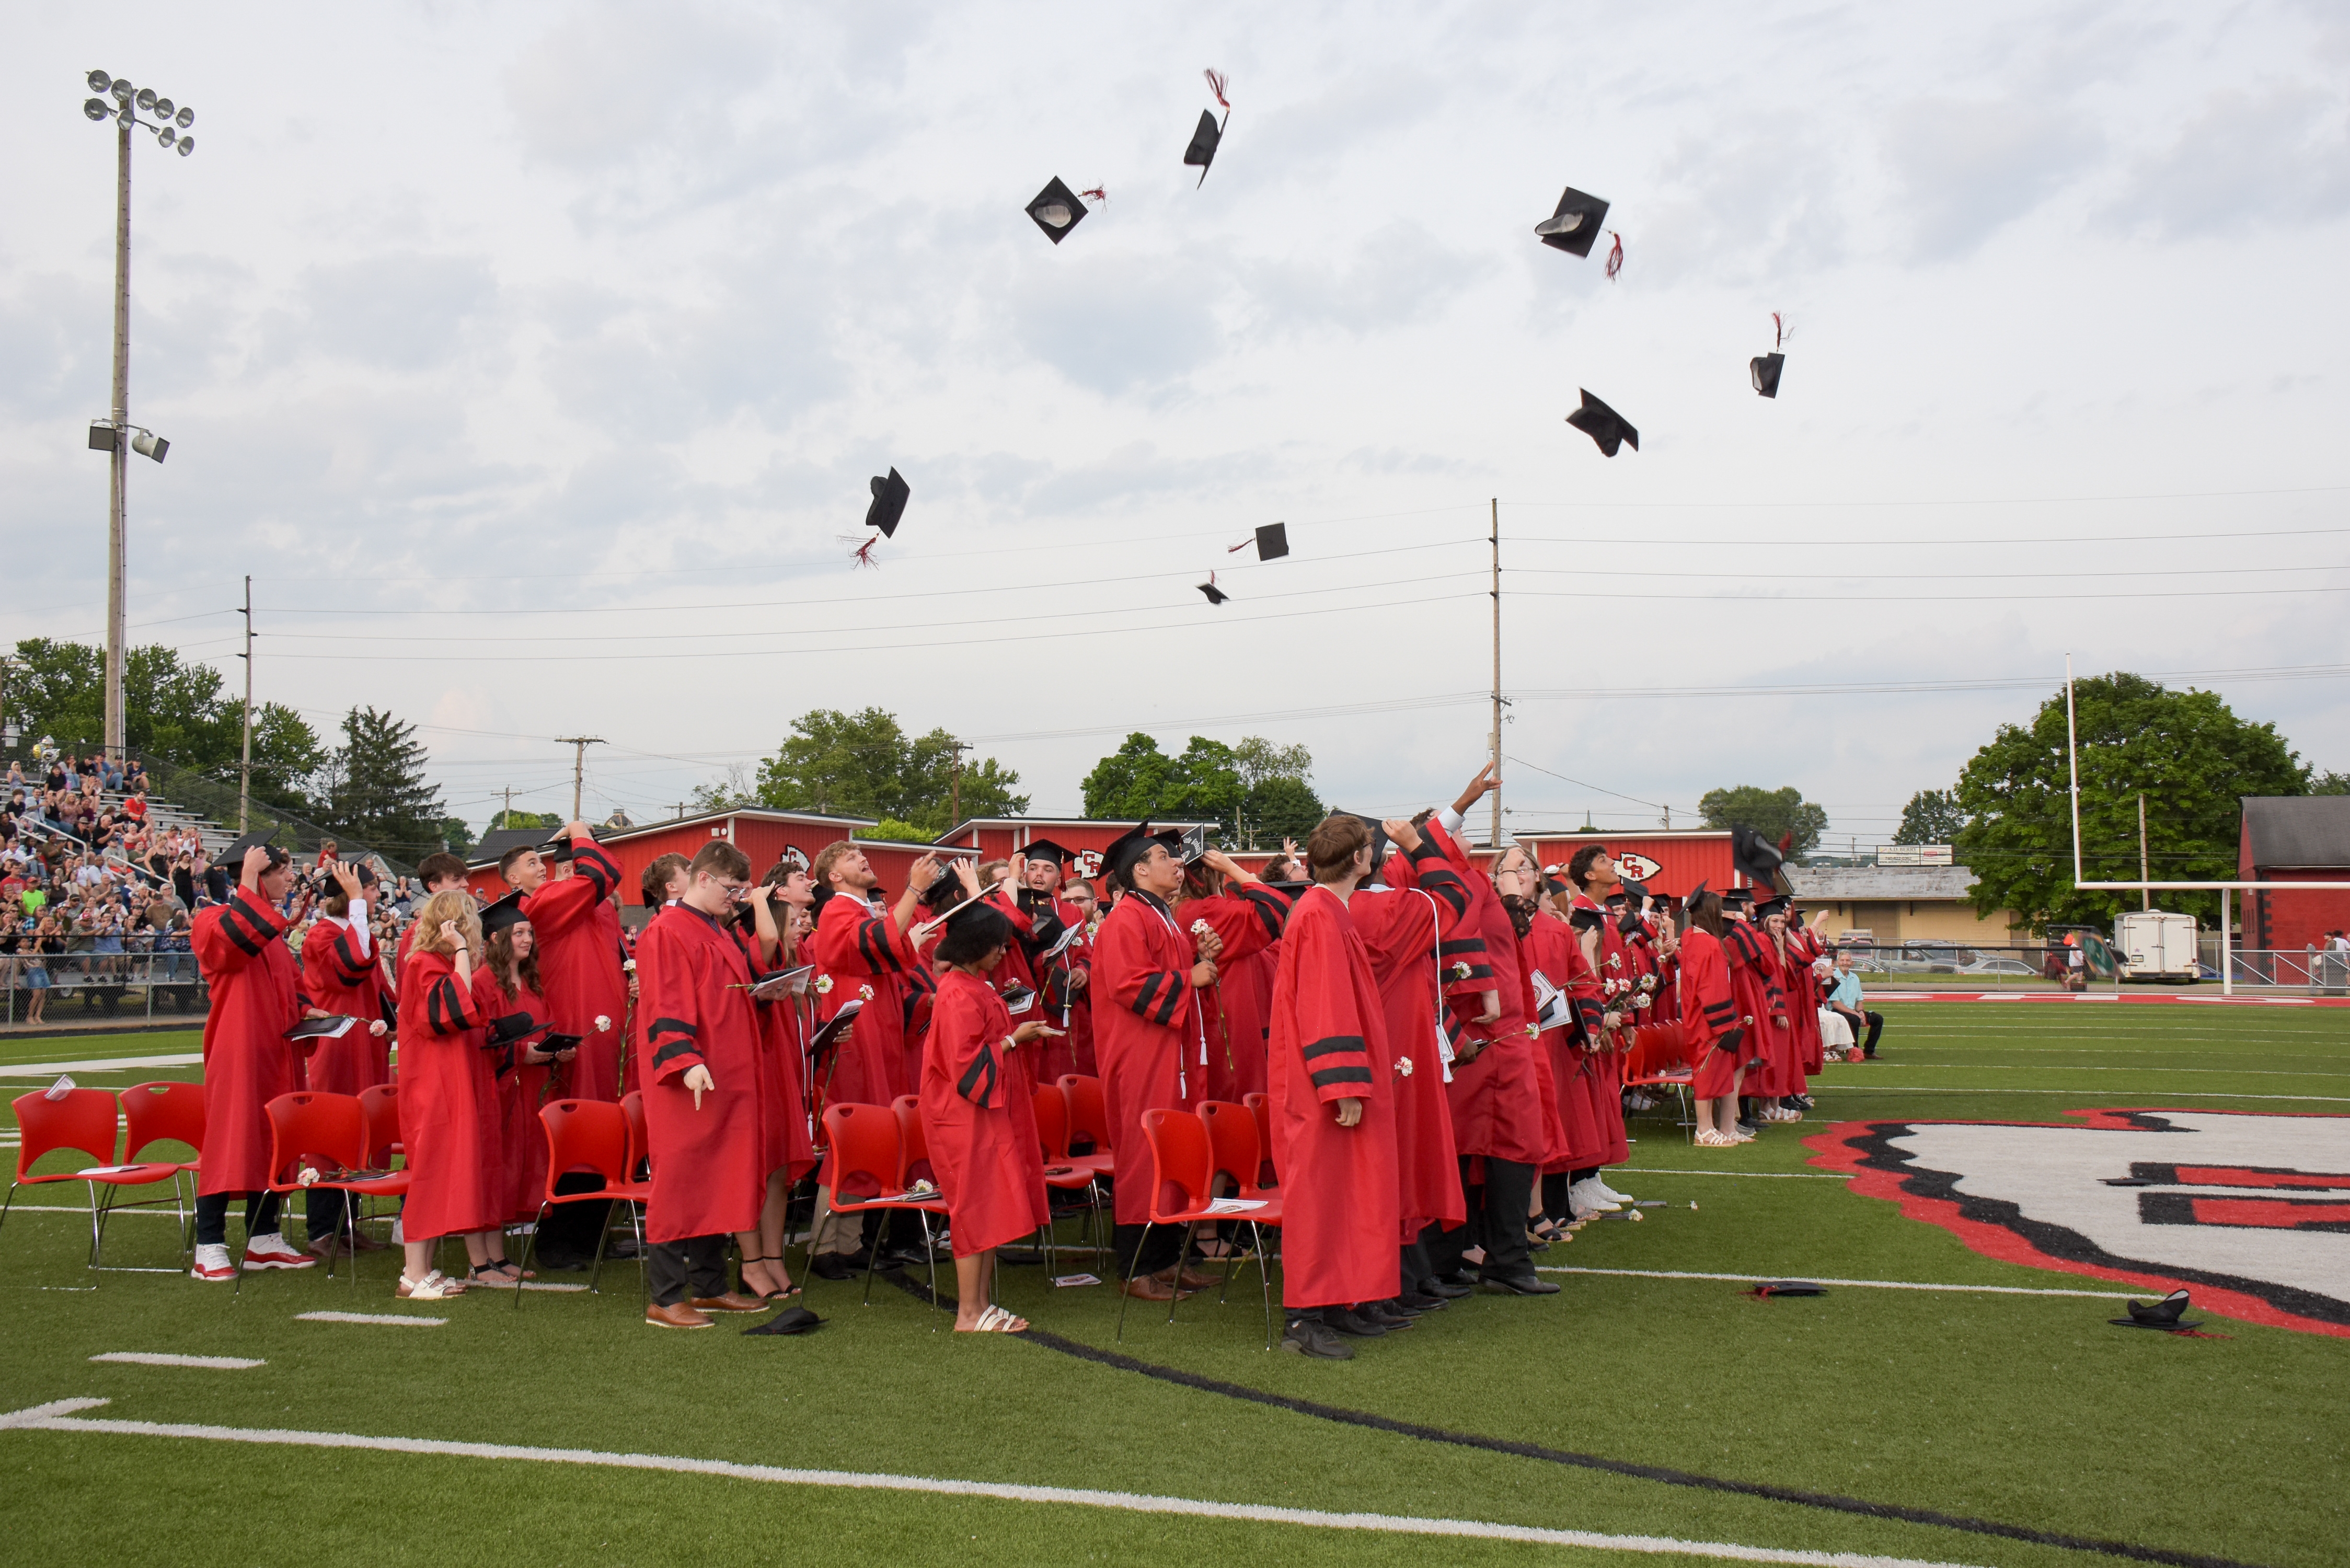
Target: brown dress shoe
<point x="1150" y="1288"/>
<point x="1192" y="1280"/>
<point x="732" y="1301"/>
<point x="678" y="1316"/>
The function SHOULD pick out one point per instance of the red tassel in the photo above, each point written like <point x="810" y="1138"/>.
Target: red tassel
<point x="1615" y="256"/>
<point x="1779" y="330"/>
<point x="1096" y="194"/>
<point x="1216" y="82"/>
<point x="865" y="551"/>
<point x="1236" y="549"/>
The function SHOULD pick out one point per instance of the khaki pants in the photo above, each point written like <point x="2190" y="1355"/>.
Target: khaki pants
<point x="831" y="1232"/>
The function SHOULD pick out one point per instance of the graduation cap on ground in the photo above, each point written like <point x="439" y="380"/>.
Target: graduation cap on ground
<point x="1209" y="134"/>
<point x="1046" y="850"/>
<point x="2165" y="1313"/>
<point x="231" y="858"/>
<point x="1056" y="210"/>
<point x="1576" y="225"/>
<point x="1216" y="595"/>
<point x="889" y="498"/>
<point x="1766" y="367"/>
<point x="791" y="1320"/>
<point x="1788" y="1288"/>
<point x="1754" y="856"/>
<point x="1271" y="543"/>
<point x="1603" y="425"/>
<point x="506" y="912"/>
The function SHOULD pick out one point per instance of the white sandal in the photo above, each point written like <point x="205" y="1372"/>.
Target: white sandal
<point x="434" y="1287"/>
<point x="1710" y="1138"/>
<point x="996" y="1320"/>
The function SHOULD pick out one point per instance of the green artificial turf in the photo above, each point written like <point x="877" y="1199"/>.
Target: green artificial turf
<point x="2023" y="1409"/>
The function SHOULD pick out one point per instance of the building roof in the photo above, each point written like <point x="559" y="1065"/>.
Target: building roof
<point x="2298" y="832"/>
<point x="1849" y="883"/>
<point x="498" y="840"/>
<point x="970" y="822"/>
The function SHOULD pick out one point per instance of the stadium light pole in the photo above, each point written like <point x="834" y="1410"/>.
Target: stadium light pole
<point x="117" y="434"/>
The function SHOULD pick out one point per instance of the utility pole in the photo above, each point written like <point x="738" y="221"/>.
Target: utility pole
<point x="244" y="768"/>
<point x="119" y="476"/>
<point x="2146" y="895"/>
<point x="1495" y="837"/>
<point x="507" y="820"/>
<point x="578" y="744"/>
<point x="954" y="789"/>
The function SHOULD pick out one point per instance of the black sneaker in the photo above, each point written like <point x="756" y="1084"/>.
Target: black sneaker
<point x="1526" y="1284"/>
<point x="1452" y="1286"/>
<point x="1803" y="1100"/>
<point x="1353" y="1323"/>
<point x="1312" y="1337"/>
<point x="1416" y="1301"/>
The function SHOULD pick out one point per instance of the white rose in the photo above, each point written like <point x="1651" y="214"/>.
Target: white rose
<point x="1403" y="1066"/>
<point x="823" y="986"/>
<point x="309" y="1174"/>
<point x="603" y="1024"/>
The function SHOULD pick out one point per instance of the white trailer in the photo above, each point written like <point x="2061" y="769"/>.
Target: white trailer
<point x="2155" y="946"/>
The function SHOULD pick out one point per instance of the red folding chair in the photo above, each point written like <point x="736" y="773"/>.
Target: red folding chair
<point x="868" y="1154"/>
<point x="166" y="1112"/>
<point x="589" y="1136"/>
<point x="1233" y="1155"/>
<point x="1658" y="1059"/>
<point x="1262" y="1109"/>
<point x="380" y="1110"/>
<point x="1180" y="1160"/>
<point x="1088" y="1118"/>
<point x="313" y="1129"/>
<point x="81" y="1121"/>
<point x="1063" y="1174"/>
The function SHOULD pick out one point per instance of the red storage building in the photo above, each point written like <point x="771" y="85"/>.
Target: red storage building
<point x="2294" y="838"/>
<point x="1667" y="861"/>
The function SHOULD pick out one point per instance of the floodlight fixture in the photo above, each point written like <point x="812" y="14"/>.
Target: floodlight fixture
<point x="163" y="110"/>
<point x="184" y="118"/>
<point x="96" y="109"/>
<point x="187" y="145"/>
<point x="166" y="136"/>
<point x="147" y="444"/>
<point x="100" y="81"/>
<point x="146" y="100"/>
<point x="123" y="89"/>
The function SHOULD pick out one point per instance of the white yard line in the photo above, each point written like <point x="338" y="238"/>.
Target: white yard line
<point x="1823" y="1280"/>
<point x="2083" y="1067"/>
<point x="401" y="1318"/>
<point x="1843" y="1088"/>
<point x="1661" y="1171"/>
<point x="59" y="1417"/>
<point x="100" y="1065"/>
<point x="158" y="1358"/>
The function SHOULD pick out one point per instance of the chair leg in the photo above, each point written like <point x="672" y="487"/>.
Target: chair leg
<point x="872" y="1256"/>
<point x="644" y="1260"/>
<point x="931" y="1257"/>
<point x="528" y="1244"/>
<point x="596" y="1271"/>
<point x="1122" y="1295"/>
<point x="11" y="1203"/>
<point x="96" y="1224"/>
<point x="351" y="1201"/>
<point x="1264" y="1280"/>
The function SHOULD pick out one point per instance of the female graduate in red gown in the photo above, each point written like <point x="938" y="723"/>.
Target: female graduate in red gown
<point x="976" y="1116"/>
<point x="1711" y="1027"/>
<point x="507" y="982"/>
<point x="448" y="1106"/>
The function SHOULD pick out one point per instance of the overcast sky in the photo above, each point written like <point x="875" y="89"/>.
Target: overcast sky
<point x="534" y="360"/>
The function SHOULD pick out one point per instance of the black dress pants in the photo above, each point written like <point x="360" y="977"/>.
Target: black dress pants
<point x="1165" y="1246"/>
<point x="693" y="1269"/>
<point x="1497" y="1221"/>
<point x="212" y="1216"/>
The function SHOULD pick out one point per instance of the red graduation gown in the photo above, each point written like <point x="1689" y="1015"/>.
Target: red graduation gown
<point x="1401" y="929"/>
<point x="1708" y="1014"/>
<point x="1754" y="987"/>
<point x="1496" y="1099"/>
<point x="1146" y="1024"/>
<point x="449" y="1114"/>
<point x="866" y="955"/>
<point x="522" y="1089"/>
<point x="339" y="978"/>
<point x="248" y="1061"/>
<point x="1340" y="1209"/>
<point x="1804" y="1002"/>
<point x="694" y="984"/>
<point x="1235" y="1008"/>
<point x="1549" y="948"/>
<point x="978" y="1119"/>
<point x="580" y="951"/>
<point x="785" y="1140"/>
<point x="1062" y="1005"/>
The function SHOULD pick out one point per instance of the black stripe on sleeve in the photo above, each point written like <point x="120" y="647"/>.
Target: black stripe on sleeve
<point x="1168" y="1004"/>
<point x="588" y="861"/>
<point x="1335" y="1042"/>
<point x="1426" y="852"/>
<point x="981" y="1065"/>
<point x="1446" y="884"/>
<point x="233" y="921"/>
<point x="1150" y="984"/>
<point x="1329" y="1075"/>
<point x="1461" y="945"/>
<point x="662" y="1027"/>
<point x="673" y="1051"/>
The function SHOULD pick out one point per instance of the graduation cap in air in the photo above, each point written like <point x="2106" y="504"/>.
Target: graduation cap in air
<point x="1209" y="134"/>
<point x="1216" y="595"/>
<point x="1603" y="425"/>
<point x="1754" y="856"/>
<point x="505" y="913"/>
<point x="1056" y="210"/>
<point x="2165" y="1313"/>
<point x="1046" y="850"/>
<point x="231" y="858"/>
<point x="1576" y="225"/>
<point x="889" y="498"/>
<point x="1271" y="543"/>
<point x="1766" y="367"/>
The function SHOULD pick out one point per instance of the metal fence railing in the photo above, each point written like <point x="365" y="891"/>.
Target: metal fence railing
<point x="85" y="983"/>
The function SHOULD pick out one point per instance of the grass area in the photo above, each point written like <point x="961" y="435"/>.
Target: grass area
<point x="2023" y="1409"/>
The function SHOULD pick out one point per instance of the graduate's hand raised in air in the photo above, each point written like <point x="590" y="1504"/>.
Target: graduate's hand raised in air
<point x="1401" y="833"/>
<point x="967" y="874"/>
<point x="1034" y="1029"/>
<point x="1488" y="780"/>
<point x="1216" y="860"/>
<point x="257" y="861"/>
<point x="697" y="1078"/>
<point x="1349" y="1112"/>
<point x="925" y="872"/>
<point x="346" y="878"/>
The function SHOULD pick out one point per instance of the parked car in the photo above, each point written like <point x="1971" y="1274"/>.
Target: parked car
<point x="1992" y="964"/>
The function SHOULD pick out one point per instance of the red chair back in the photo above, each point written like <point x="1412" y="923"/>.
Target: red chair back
<point x="380" y="1108"/>
<point x="584" y="1135"/>
<point x="1262" y="1109"/>
<point x="1181" y="1161"/>
<point x="159" y="1112"/>
<point x="1231" y="1143"/>
<point x="312" y="1125"/>
<point x="83" y="1120"/>
<point x="863" y="1160"/>
<point x="1088" y="1116"/>
<point x="633" y="1105"/>
<point x="1053" y="1122"/>
<point x="913" y="1142"/>
<point x="1658" y="1049"/>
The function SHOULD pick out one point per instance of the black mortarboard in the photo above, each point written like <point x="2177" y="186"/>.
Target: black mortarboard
<point x="557" y="848"/>
<point x="943" y="892"/>
<point x="1753" y="856"/>
<point x="513" y="1026"/>
<point x="2163" y="1315"/>
<point x="1046" y="850"/>
<point x="1770" y="903"/>
<point x="889" y="498"/>
<point x="1378" y="835"/>
<point x="506" y="912"/>
<point x="1788" y="1288"/>
<point x="231" y="858"/>
<point x="1733" y="897"/>
<point x="1216" y="595"/>
<point x="1766" y="367"/>
<point x="1056" y="210"/>
<point x="1129" y="848"/>
<point x="1603" y="425"/>
<point x="1272" y="541"/>
<point x="1690" y="899"/>
<point x="1617" y="896"/>
<point x="1202" y="151"/>
<point x="1576" y="225"/>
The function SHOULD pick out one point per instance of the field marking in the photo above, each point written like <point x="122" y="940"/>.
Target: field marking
<point x="2077" y="1067"/>
<point x="369" y="1317"/>
<point x="103" y="1064"/>
<point x="1820" y="1280"/>
<point x="158" y="1358"/>
<point x="1824" y="1088"/>
<point x="1661" y="1171"/>
<point x="59" y="1416"/>
<point x="84" y="1211"/>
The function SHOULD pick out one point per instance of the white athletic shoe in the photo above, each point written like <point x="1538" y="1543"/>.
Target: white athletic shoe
<point x="1583" y="1201"/>
<point x="274" y="1251"/>
<point x="211" y="1262"/>
<point x="1622" y="1199"/>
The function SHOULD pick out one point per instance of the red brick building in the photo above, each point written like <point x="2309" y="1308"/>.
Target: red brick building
<point x="2294" y="838"/>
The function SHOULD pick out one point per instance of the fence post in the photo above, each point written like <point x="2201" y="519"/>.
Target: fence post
<point x="2227" y="965"/>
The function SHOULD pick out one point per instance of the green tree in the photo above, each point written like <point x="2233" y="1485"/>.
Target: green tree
<point x="530" y="819"/>
<point x="2186" y="751"/>
<point x="1278" y="800"/>
<point x="379" y="794"/>
<point x="2329" y="783"/>
<point x="1253" y="790"/>
<point x="286" y="757"/>
<point x="1932" y="816"/>
<point x="1775" y="814"/>
<point x="458" y="837"/>
<point x="865" y="765"/>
